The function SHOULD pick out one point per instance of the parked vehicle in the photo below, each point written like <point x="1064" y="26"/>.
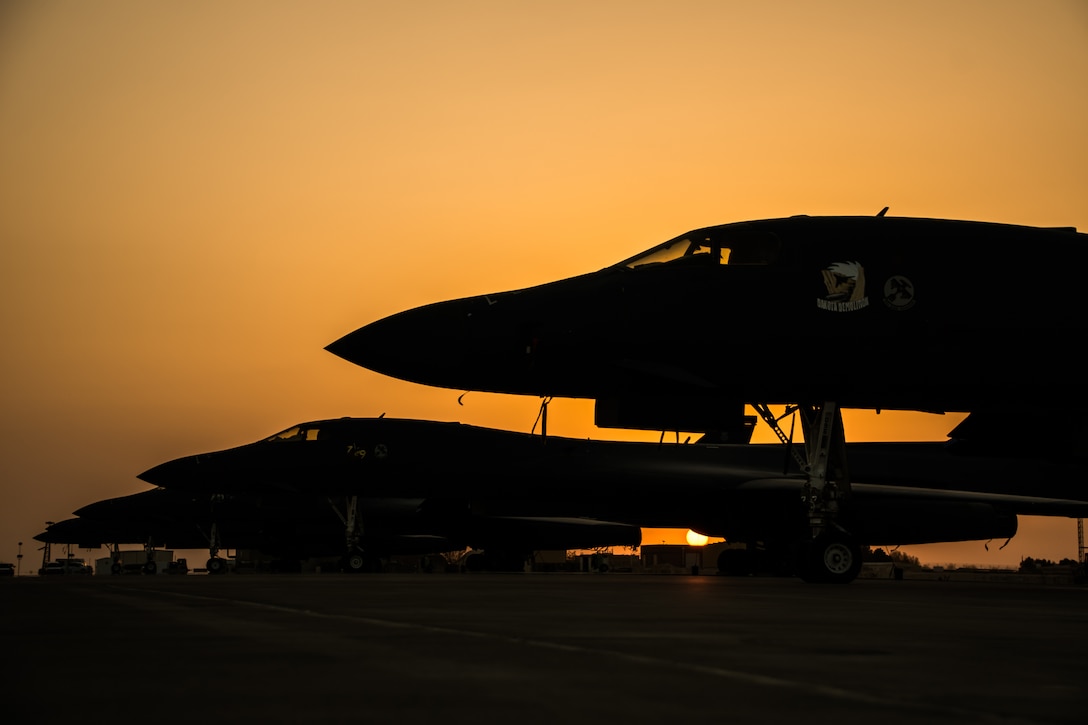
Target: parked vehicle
<point x="65" y="566"/>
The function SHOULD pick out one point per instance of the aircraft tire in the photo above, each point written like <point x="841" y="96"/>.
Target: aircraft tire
<point x="831" y="558"/>
<point x="116" y="568"/>
<point x="216" y="565"/>
<point x="355" y="563"/>
<point x="151" y="568"/>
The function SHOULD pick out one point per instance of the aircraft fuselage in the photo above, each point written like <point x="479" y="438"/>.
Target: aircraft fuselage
<point x="872" y="312"/>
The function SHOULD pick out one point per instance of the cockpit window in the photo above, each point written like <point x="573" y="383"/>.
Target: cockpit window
<point x="295" y="433"/>
<point x="669" y="252"/>
<point x="733" y="249"/>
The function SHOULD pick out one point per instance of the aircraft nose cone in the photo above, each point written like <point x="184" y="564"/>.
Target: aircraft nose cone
<point x="421" y="345"/>
<point x="179" y="473"/>
<point x="122" y="506"/>
<point x="507" y="342"/>
<point x="370" y="347"/>
<point x="62" y="532"/>
<point x="96" y="510"/>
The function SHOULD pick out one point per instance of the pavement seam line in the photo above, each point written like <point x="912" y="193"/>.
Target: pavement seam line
<point x="826" y="691"/>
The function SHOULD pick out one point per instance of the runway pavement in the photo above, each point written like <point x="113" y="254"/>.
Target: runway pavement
<point x="539" y="648"/>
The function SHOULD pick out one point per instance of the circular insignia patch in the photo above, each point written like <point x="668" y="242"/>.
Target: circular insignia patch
<point x="898" y="293"/>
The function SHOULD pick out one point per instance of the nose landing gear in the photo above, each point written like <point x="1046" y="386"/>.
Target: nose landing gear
<point x="827" y="552"/>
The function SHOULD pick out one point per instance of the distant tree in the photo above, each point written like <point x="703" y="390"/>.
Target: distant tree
<point x="875" y="555"/>
<point x="896" y="557"/>
<point x="1028" y="564"/>
<point x="905" y="560"/>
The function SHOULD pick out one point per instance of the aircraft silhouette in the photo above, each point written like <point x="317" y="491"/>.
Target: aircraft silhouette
<point x="288" y="528"/>
<point x="292" y="526"/>
<point x="517" y="490"/>
<point x="813" y="313"/>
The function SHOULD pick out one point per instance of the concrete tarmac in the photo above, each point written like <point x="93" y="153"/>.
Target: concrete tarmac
<point x="539" y="648"/>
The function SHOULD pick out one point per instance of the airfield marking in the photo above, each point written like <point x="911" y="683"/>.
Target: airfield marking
<point x="827" y="691"/>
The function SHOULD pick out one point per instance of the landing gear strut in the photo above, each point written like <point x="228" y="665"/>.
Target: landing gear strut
<point x="150" y="566"/>
<point x="216" y="564"/>
<point x="827" y="552"/>
<point x="356" y="560"/>
<point x="115" y="557"/>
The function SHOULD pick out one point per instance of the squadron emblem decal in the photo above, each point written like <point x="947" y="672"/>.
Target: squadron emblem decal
<point x="899" y="293"/>
<point x="845" y="283"/>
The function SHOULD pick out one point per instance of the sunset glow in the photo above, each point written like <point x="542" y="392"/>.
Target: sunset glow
<point x="196" y="198"/>
<point x="696" y="539"/>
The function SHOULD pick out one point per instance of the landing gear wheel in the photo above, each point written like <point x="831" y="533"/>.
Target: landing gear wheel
<point x="216" y="565"/>
<point x="357" y="562"/>
<point x="151" y="568"/>
<point x="831" y="558"/>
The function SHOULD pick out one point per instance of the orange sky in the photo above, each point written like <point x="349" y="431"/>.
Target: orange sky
<point x="195" y="198"/>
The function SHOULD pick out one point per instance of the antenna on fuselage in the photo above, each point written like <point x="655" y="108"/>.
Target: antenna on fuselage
<point x="882" y="212"/>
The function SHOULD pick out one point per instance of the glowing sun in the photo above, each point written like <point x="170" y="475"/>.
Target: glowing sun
<point x="696" y="539"/>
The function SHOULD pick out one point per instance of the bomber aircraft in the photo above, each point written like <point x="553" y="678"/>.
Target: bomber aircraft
<point x="815" y="314"/>
<point x="299" y="524"/>
<point x="516" y="490"/>
<point x="289" y="528"/>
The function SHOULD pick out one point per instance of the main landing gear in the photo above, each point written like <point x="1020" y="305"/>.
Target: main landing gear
<point x="115" y="560"/>
<point x="356" y="560"/>
<point x="833" y="557"/>
<point x="150" y="567"/>
<point x="216" y="564"/>
<point x="826" y="551"/>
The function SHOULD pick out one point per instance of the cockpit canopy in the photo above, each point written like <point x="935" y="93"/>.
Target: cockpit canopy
<point x="296" y="433"/>
<point x="714" y="245"/>
<point x="338" y="430"/>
